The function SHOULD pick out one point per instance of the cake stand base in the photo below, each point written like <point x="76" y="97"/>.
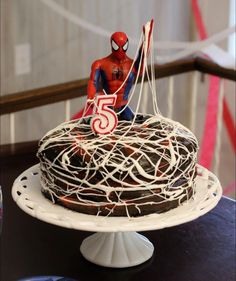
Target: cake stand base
<point x="117" y="249"/>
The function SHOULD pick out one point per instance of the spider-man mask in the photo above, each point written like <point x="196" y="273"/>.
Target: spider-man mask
<point x="119" y="45"/>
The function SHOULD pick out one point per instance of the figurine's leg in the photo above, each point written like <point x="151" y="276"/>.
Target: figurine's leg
<point x="127" y="114"/>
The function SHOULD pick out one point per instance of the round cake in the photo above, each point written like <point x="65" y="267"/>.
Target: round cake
<point x="145" y="166"/>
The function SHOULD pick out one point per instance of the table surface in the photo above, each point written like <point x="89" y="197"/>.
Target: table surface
<point x="201" y="250"/>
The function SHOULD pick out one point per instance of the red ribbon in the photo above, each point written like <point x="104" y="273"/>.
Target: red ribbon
<point x="210" y="128"/>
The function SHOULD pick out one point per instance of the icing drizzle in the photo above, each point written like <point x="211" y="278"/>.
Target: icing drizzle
<point x="154" y="156"/>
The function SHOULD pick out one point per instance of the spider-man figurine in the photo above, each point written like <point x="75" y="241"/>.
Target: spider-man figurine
<point x="109" y="74"/>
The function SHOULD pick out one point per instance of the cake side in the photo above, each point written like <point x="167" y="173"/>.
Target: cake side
<point x="140" y="169"/>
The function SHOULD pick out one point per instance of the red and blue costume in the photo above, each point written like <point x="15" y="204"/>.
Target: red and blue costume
<point x="110" y="74"/>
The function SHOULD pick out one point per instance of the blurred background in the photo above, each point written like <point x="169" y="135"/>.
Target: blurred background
<point x="48" y="42"/>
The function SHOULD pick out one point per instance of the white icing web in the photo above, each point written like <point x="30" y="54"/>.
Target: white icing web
<point x="147" y="161"/>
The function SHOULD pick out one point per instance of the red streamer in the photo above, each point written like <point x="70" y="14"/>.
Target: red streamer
<point x="210" y="128"/>
<point x="199" y="21"/>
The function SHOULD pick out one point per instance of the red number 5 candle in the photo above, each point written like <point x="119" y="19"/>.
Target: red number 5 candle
<point x="106" y="119"/>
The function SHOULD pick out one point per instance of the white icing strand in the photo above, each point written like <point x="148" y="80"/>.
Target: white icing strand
<point x="150" y="156"/>
<point x="142" y="57"/>
<point x="145" y="98"/>
<point x="153" y="80"/>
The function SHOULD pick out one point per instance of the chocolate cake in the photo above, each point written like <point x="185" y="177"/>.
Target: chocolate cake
<point x="145" y="166"/>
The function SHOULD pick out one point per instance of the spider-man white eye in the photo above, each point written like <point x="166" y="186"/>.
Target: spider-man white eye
<point x="114" y="45"/>
<point x="125" y="47"/>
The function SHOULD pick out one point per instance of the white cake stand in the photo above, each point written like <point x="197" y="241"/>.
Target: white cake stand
<point x="116" y="243"/>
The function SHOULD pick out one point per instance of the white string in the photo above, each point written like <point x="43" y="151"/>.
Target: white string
<point x="106" y="33"/>
<point x="206" y="46"/>
<point x="75" y="19"/>
<point x="153" y="79"/>
<point x="145" y="69"/>
<point x="145" y="98"/>
<point x="198" y="46"/>
<point x="219" y="128"/>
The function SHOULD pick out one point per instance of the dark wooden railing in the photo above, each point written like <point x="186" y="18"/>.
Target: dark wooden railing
<point x="61" y="92"/>
<point x="37" y="97"/>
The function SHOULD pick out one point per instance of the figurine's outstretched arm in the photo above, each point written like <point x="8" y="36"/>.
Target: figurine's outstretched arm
<point x="93" y="84"/>
<point x="148" y="38"/>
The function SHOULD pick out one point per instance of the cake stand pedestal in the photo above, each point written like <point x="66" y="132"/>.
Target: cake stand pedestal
<point x="117" y="249"/>
<point x="116" y="243"/>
